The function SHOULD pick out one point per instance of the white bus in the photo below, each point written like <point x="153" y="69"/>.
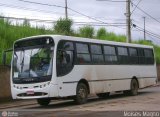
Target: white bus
<point x="46" y="67"/>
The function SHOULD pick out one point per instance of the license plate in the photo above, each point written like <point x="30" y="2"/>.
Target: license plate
<point x="30" y="92"/>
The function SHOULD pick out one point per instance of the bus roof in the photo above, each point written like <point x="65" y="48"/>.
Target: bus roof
<point x="81" y="39"/>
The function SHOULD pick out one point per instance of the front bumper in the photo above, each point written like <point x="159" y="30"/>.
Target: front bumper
<point x="34" y="91"/>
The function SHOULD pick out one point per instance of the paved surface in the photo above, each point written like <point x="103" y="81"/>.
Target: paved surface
<point x="147" y="100"/>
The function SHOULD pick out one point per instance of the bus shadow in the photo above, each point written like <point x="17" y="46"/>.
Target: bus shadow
<point x="70" y="103"/>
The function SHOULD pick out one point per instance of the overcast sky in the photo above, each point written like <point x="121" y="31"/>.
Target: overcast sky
<point x="109" y="12"/>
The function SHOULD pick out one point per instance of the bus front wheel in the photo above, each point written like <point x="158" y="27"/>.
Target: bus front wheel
<point x="43" y="101"/>
<point x="81" y="94"/>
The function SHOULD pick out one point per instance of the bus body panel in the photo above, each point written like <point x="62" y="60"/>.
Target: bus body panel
<point x="101" y="78"/>
<point x="106" y="78"/>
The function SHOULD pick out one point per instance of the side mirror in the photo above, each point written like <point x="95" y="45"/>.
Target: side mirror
<point x="6" y="57"/>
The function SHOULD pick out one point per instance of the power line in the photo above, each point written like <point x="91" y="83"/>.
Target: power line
<point x="136" y="7"/>
<point x="68" y="8"/>
<point x="29" y="9"/>
<point x="146" y="13"/>
<point x="147" y="32"/>
<point x="112" y="0"/>
<point x="41" y="3"/>
<point x="150" y="35"/>
<point x="53" y="21"/>
<point x="86" y="16"/>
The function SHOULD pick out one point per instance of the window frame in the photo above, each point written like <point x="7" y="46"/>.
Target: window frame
<point x="116" y="55"/>
<point x="126" y="62"/>
<point x="97" y="54"/>
<point x="136" y="58"/>
<point x="118" y="62"/>
<point x="76" y="53"/>
<point x="73" y="62"/>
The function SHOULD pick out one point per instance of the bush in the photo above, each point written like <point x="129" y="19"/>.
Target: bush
<point x="86" y="31"/>
<point x="63" y="26"/>
<point x="101" y="33"/>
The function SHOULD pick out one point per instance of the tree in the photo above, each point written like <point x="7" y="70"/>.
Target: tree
<point x="86" y="31"/>
<point x="101" y="33"/>
<point x="63" y="26"/>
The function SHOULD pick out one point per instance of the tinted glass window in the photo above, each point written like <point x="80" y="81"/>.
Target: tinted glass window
<point x="34" y="42"/>
<point x="96" y="49"/>
<point x="148" y="53"/>
<point x="140" y="52"/>
<point x="109" y="50"/>
<point x="97" y="58"/>
<point x="82" y="48"/>
<point x="65" y="56"/>
<point x="110" y="58"/>
<point x="133" y="52"/>
<point x="83" y="58"/>
<point x="110" y="54"/>
<point x="83" y="55"/>
<point x="64" y="45"/>
<point x="122" y="51"/>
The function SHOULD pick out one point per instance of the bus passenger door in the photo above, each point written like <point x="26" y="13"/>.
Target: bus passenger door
<point x="64" y="67"/>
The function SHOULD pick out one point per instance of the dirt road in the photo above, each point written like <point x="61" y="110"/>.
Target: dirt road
<point x="148" y="100"/>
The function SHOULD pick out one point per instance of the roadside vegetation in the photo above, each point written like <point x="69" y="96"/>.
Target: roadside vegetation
<point x="9" y="33"/>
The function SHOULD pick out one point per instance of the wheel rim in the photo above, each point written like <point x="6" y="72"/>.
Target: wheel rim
<point x="82" y="93"/>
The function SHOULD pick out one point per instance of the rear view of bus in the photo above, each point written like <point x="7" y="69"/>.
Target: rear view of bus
<point x="32" y="67"/>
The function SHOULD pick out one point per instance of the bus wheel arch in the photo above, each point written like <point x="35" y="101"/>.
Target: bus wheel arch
<point x="86" y="83"/>
<point x="82" y="92"/>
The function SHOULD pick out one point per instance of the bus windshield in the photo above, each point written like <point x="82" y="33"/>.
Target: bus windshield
<point x="32" y="62"/>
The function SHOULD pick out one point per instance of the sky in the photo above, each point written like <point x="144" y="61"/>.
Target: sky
<point x="99" y="11"/>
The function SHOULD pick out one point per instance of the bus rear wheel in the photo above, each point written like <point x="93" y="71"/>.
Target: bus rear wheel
<point x="103" y="95"/>
<point x="43" y="101"/>
<point x="81" y="94"/>
<point x="134" y="87"/>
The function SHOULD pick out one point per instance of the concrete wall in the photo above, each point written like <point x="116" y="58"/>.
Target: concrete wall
<point x="5" y="92"/>
<point x="158" y="72"/>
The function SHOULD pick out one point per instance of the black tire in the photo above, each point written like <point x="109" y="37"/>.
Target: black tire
<point x="43" y="101"/>
<point x="127" y="92"/>
<point x="81" y="94"/>
<point x="103" y="95"/>
<point x="134" y="87"/>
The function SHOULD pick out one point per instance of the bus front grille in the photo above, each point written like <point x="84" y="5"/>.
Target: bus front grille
<point x="35" y="94"/>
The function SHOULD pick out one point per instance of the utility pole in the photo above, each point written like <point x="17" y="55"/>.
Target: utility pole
<point x="66" y="8"/>
<point x="128" y="21"/>
<point x="144" y="28"/>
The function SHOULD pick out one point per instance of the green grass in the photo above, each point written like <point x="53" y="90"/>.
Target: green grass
<point x="9" y="33"/>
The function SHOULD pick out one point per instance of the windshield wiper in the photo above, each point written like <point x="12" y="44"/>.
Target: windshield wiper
<point x="22" y="63"/>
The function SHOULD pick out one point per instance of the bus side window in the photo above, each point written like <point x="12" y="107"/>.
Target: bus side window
<point x="133" y="54"/>
<point x="141" y="56"/>
<point x="83" y="54"/>
<point x="122" y="55"/>
<point x="110" y="54"/>
<point x="64" y="58"/>
<point x="149" y="57"/>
